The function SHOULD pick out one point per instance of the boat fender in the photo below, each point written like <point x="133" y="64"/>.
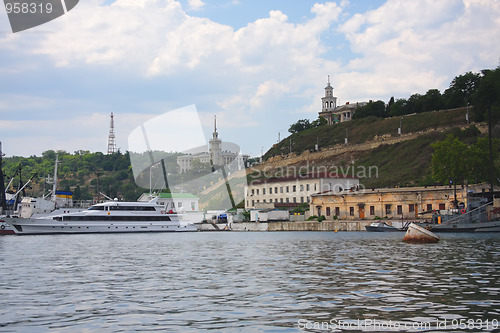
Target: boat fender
<point x="3" y="227"/>
<point x="462" y="211"/>
<point x="163" y="212"/>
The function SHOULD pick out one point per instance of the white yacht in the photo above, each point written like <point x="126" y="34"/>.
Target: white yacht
<point x="107" y="217"/>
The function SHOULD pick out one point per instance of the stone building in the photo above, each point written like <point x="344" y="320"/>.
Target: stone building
<point x="290" y="192"/>
<point x="397" y="203"/>
<point x="218" y="154"/>
<point x="333" y="113"/>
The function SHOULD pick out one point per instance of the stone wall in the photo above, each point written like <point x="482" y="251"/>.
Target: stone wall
<point x="302" y="226"/>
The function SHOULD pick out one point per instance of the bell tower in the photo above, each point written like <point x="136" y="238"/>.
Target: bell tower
<point x="329" y="101"/>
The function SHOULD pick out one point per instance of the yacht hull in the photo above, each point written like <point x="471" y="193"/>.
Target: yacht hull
<point x="39" y="226"/>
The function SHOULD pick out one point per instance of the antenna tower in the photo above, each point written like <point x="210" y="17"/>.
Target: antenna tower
<point x="111" y="137"/>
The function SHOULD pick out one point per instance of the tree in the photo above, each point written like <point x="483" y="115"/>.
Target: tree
<point x="376" y="109"/>
<point x="389" y="106"/>
<point x="450" y="162"/>
<point x="319" y="122"/>
<point x="432" y="101"/>
<point x="414" y="104"/>
<point x="487" y="95"/>
<point x="300" y="126"/>
<point x="398" y="108"/>
<point x="461" y="89"/>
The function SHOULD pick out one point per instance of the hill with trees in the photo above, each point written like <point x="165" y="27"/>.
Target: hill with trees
<point x="430" y="119"/>
<point x="82" y="172"/>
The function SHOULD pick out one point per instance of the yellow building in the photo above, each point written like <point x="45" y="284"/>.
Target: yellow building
<point x="397" y="203"/>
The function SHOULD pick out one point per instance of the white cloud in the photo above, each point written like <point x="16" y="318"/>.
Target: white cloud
<point x="270" y="72"/>
<point x="406" y="47"/>
<point x="196" y="4"/>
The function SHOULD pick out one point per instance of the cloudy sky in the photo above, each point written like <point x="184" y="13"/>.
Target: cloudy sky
<point x="258" y="65"/>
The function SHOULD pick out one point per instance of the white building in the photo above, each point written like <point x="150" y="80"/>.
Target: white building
<point x="219" y="153"/>
<point x="290" y="192"/>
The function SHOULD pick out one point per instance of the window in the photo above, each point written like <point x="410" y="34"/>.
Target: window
<point x="294" y="188"/>
<point x="337" y="211"/>
<point x="287" y="200"/>
<point x="442" y="207"/>
<point x="179" y="204"/>
<point x="294" y="200"/>
<point x="264" y="201"/>
<point x="301" y="187"/>
<point x="411" y="208"/>
<point x="281" y="200"/>
<point x="270" y="190"/>
<point x="372" y="210"/>
<point x="388" y="210"/>
<point x="253" y="202"/>
<point x="287" y="189"/>
<point x="276" y="190"/>
<point x="301" y="199"/>
<point x="351" y="211"/>
<point x="400" y="209"/>
<point x="257" y="191"/>
<point x="429" y="206"/>
<point x="327" y="211"/>
<point x="253" y="191"/>
<point x="281" y="189"/>
<point x="263" y="191"/>
<point x="307" y="187"/>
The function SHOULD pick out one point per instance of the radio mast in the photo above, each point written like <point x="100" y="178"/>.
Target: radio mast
<point x="111" y="137"/>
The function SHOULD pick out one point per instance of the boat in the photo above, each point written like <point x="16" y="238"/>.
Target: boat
<point x="418" y="235"/>
<point x="384" y="227"/>
<point x="107" y="217"/>
<point x="380" y="227"/>
<point x="480" y="215"/>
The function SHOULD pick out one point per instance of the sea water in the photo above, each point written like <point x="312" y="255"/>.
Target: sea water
<point x="249" y="281"/>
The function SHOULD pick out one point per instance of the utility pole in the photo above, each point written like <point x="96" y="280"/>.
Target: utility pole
<point x="3" y="203"/>
<point x="492" y="171"/>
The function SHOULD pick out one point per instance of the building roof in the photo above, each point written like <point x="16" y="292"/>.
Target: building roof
<point x="173" y="195"/>
<point x="310" y="176"/>
<point x="396" y="190"/>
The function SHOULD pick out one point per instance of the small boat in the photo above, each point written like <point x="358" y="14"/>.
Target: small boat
<point x="418" y="235"/>
<point x="381" y="227"/>
<point x="107" y="217"/>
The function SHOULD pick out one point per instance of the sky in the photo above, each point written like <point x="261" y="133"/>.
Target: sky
<point x="259" y="66"/>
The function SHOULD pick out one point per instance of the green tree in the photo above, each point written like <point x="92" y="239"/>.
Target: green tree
<point x="376" y="109"/>
<point x="450" y="161"/>
<point x="432" y="100"/>
<point x="398" y="108"/>
<point x="461" y="89"/>
<point x="300" y="126"/>
<point x="319" y="122"/>
<point x="487" y="95"/>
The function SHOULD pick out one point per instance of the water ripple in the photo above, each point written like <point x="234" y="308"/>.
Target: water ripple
<point x="265" y="282"/>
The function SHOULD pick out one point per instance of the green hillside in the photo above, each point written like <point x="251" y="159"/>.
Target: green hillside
<point x="391" y="163"/>
<point x="366" y="129"/>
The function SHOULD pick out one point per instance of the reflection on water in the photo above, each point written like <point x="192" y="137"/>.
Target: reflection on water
<point x="246" y="282"/>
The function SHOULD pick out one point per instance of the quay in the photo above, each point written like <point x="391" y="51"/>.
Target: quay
<point x="337" y="225"/>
